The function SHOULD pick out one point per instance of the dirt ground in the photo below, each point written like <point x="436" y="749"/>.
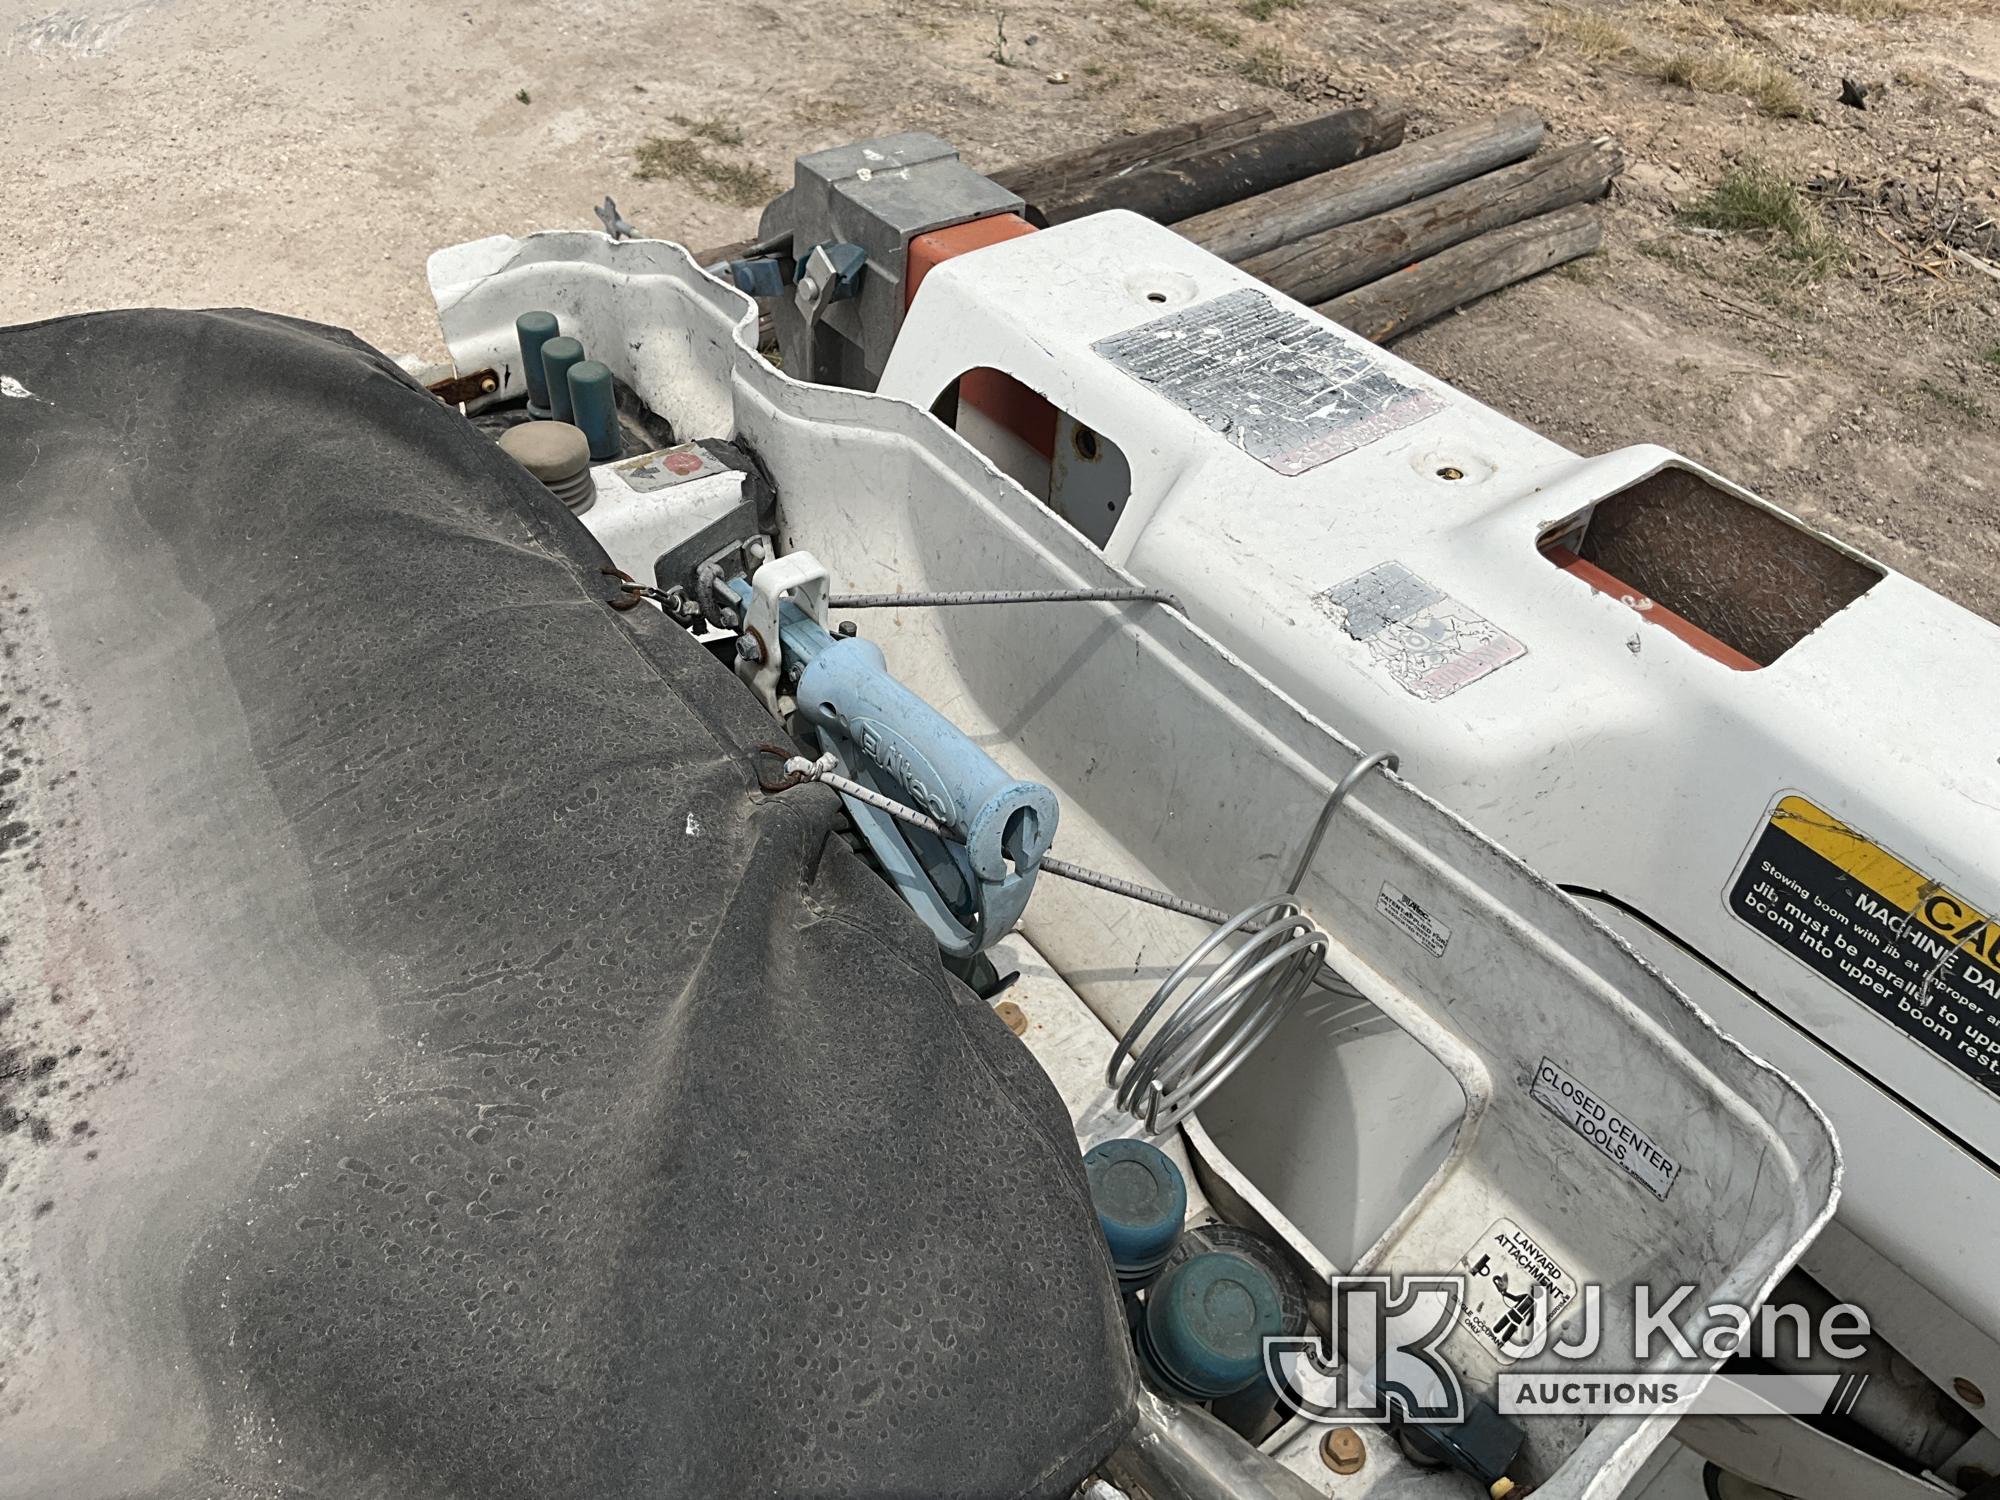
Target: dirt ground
<point x="306" y="158"/>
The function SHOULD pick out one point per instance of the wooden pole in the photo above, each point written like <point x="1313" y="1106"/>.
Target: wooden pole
<point x="1211" y="178"/>
<point x="1323" y="265"/>
<point x="1069" y="172"/>
<point x="1373" y="185"/>
<point x="1411" y="297"/>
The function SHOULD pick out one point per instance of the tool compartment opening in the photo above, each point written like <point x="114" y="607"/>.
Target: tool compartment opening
<point x="1736" y="580"/>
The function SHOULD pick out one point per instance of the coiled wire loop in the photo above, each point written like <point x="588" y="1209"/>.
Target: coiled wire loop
<point x="1224" y="1015"/>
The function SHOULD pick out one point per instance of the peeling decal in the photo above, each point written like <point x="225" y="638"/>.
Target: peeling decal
<point x="1291" y="392"/>
<point x="1431" y="643"/>
<point x="667" y="466"/>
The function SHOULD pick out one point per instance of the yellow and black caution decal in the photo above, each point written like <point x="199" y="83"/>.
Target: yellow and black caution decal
<point x="1898" y="941"/>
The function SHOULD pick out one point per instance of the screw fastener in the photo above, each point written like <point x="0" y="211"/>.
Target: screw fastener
<point x="1341" y="1450"/>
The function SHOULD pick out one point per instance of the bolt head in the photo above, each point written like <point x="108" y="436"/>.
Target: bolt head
<point x="846" y="628"/>
<point x="748" y="649"/>
<point x="1342" y="1451"/>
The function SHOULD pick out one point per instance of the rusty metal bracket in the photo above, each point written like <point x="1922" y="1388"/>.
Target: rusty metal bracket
<point x="459" y="389"/>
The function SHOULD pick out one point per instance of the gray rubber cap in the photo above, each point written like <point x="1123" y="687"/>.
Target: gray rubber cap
<point x="556" y="453"/>
<point x="550" y="451"/>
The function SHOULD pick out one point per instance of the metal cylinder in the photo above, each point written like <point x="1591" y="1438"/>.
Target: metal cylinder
<point x="534" y="330"/>
<point x="559" y="356"/>
<point x="594" y="408"/>
<point x="1899" y="1405"/>
<point x="1141" y="1201"/>
<point x="1205" y="1325"/>
<point x="1180" y="1452"/>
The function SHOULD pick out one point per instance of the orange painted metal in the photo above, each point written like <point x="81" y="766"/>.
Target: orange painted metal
<point x="928" y="250"/>
<point x="1003" y="399"/>
<point x="1650" y="609"/>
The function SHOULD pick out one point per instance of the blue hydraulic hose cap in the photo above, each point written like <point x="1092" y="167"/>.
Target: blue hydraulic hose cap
<point x="559" y="355"/>
<point x="1141" y="1201"/>
<point x="533" y="330"/>
<point x="594" y="408"/>
<point x="1206" y="1323"/>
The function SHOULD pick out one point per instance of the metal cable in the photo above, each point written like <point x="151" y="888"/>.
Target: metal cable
<point x="1225" y="1014"/>
<point x="822" y="771"/>
<point x="1132" y="890"/>
<point x="1006" y="596"/>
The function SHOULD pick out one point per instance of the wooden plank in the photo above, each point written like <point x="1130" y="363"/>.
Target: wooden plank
<point x="1222" y="174"/>
<point x="1069" y="171"/>
<point x="1411" y="297"/>
<point x="1324" y="265"/>
<point x="1373" y="185"/>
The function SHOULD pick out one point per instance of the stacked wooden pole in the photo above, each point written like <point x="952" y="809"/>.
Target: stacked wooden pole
<point x="1339" y="212"/>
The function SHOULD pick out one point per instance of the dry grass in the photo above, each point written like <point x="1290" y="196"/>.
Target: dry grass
<point x="1293" y="69"/>
<point x="1857" y="10"/>
<point x="1714" y="17"/>
<point x="1266" y="65"/>
<point x="1963" y="402"/>
<point x="1732" y="70"/>
<point x="1587" y="32"/>
<point x="1195" y="23"/>
<point x="1687" y="18"/>
<point x="1756" y="200"/>
<point x="717" y="132"/>
<point x="743" y="183"/>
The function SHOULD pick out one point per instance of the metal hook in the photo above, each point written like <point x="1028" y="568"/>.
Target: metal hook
<point x="1341" y="788"/>
<point x="781" y="754"/>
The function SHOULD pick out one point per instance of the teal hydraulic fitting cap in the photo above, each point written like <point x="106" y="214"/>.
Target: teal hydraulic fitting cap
<point x="594" y="408"/>
<point x="1141" y="1200"/>
<point x="559" y="355"/>
<point x="533" y="330"/>
<point x="1205" y="1326"/>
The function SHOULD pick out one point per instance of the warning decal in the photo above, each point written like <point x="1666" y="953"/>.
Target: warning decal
<point x="1419" y="925"/>
<point x="668" y="466"/>
<point x="1917" y="955"/>
<point x="1431" y="643"/>
<point x="1501" y="1275"/>
<point x="1287" y="390"/>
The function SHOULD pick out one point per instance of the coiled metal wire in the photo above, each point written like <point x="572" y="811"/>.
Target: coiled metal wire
<point x="1229" y="1011"/>
<point x="1223" y="1016"/>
